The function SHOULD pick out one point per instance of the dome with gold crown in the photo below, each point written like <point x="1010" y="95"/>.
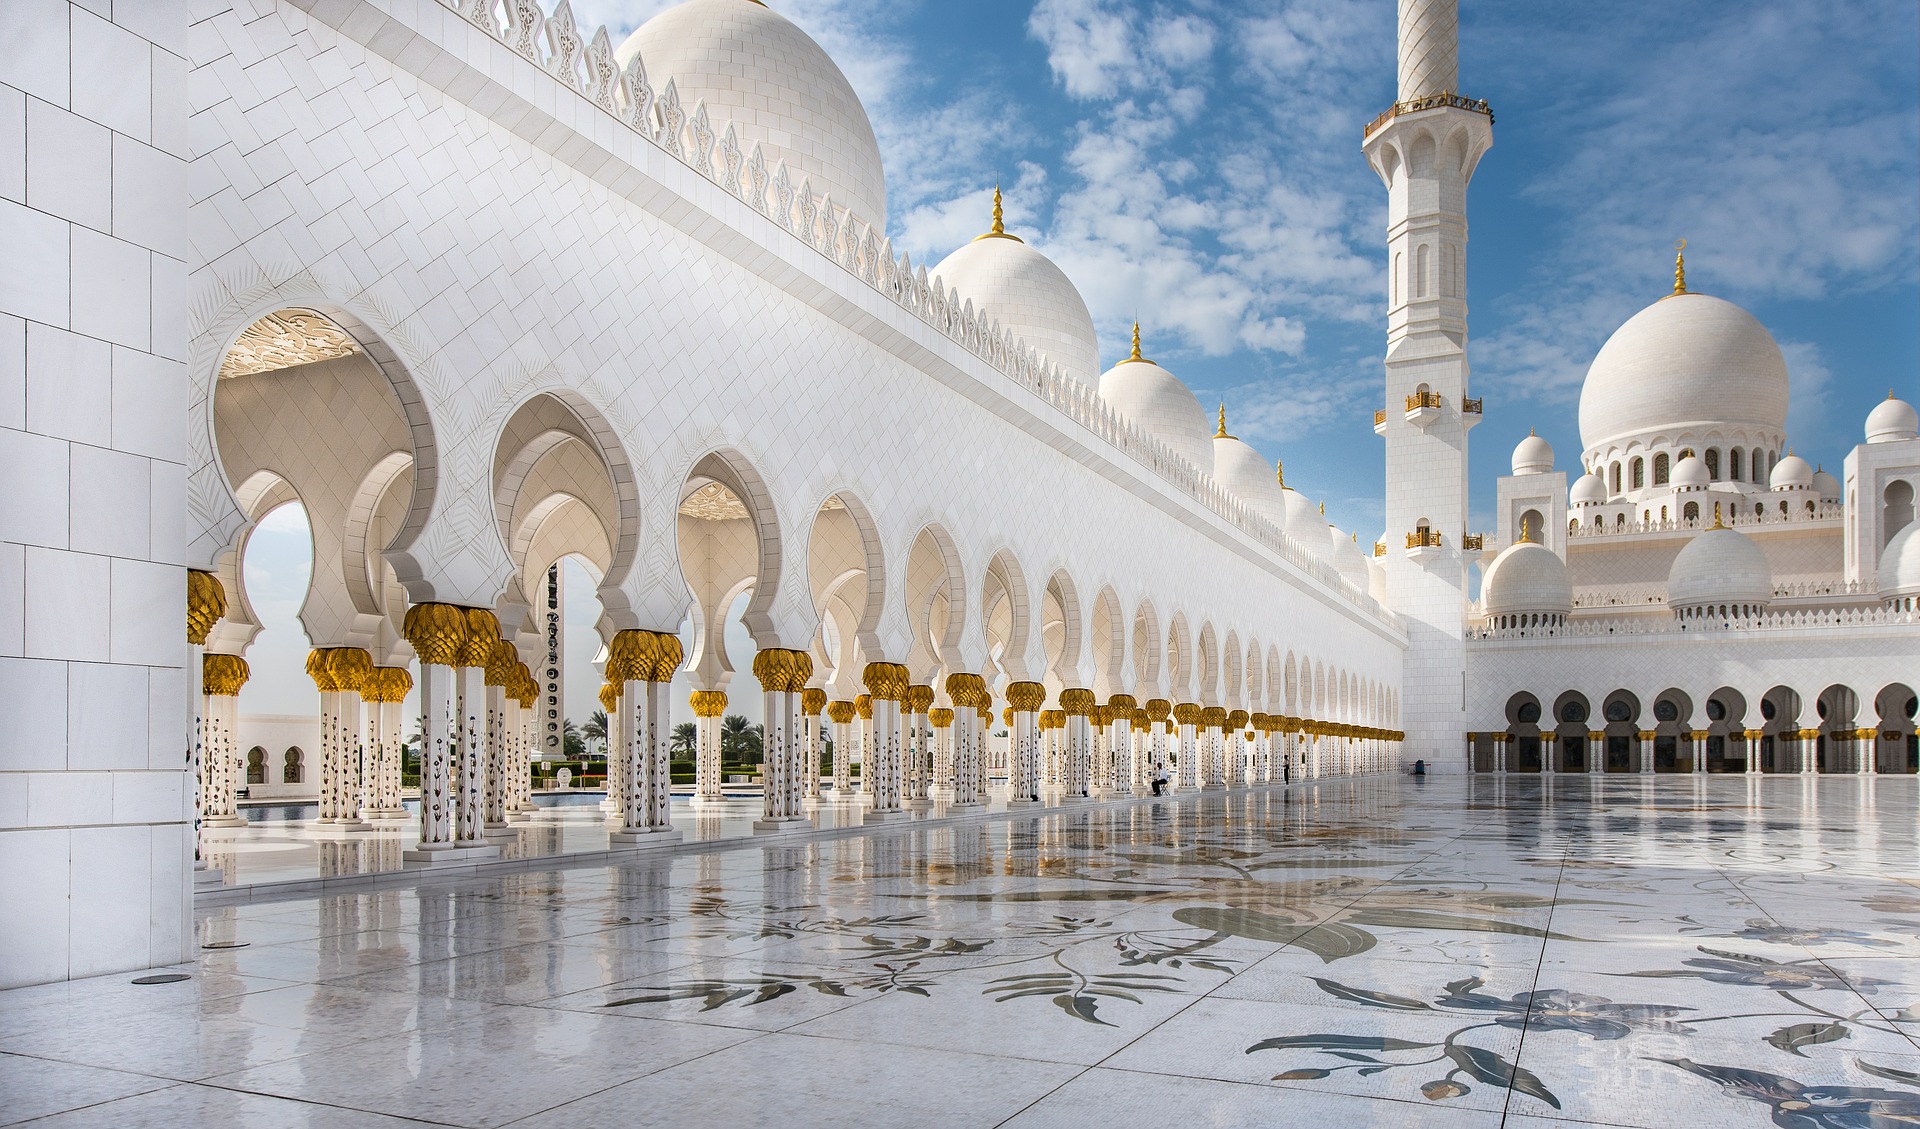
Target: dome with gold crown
<point x="1026" y="293"/>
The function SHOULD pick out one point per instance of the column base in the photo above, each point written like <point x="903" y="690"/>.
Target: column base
<point x="351" y="823"/>
<point x="788" y="823"/>
<point x="521" y="815"/>
<point x="208" y="877"/>
<point x="225" y="821"/>
<point x="502" y="831"/>
<point x="656" y="838"/>
<point x="1023" y="803"/>
<point x="1074" y="799"/>
<point x="386" y="813"/>
<point x="919" y="805"/>
<point x="699" y="801"/>
<point x="894" y="816"/>
<point x="476" y="849"/>
<point x="965" y="805"/>
<point x="434" y="854"/>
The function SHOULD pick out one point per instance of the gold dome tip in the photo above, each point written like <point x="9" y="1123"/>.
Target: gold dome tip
<point x="1222" y="432"/>
<point x="1680" y="267"/>
<point x="999" y="224"/>
<point x="1135" y="355"/>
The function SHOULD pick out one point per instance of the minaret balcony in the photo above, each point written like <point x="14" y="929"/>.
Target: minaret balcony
<point x="1380" y="421"/>
<point x="1423" y="408"/>
<point x="1423" y="544"/>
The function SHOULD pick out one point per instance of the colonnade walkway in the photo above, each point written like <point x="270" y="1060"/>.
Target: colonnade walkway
<point x="1382" y="950"/>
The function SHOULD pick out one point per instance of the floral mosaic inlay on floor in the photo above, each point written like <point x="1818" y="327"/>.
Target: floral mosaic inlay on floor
<point x="1451" y="951"/>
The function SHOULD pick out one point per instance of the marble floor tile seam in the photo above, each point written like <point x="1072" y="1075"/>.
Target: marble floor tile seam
<point x="1393" y="1103"/>
<point x="259" y="893"/>
<point x="213" y="1084"/>
<point x="1520" y="1051"/>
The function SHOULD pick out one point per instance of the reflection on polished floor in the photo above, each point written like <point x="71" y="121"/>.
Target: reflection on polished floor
<point x="1380" y="951"/>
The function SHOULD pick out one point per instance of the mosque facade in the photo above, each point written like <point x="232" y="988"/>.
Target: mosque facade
<point x="480" y="289"/>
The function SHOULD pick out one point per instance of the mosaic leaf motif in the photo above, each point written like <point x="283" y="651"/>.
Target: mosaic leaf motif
<point x="1491" y="1068"/>
<point x="1889" y="1072"/>
<point x="1420" y="919"/>
<point x="1799" y="1106"/>
<point x="1791" y="1039"/>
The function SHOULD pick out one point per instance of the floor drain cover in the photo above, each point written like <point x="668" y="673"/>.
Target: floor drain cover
<point x="162" y="978"/>
<point x="226" y="944"/>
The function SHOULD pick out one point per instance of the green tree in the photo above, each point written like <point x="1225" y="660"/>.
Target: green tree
<point x="685" y="739"/>
<point x="596" y="728"/>
<point x="740" y="743"/>
<point x="576" y="749"/>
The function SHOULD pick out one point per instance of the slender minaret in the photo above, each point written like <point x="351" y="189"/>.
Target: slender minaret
<point x="1425" y="148"/>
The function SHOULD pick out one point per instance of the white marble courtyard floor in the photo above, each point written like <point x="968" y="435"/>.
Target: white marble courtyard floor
<point x="1387" y="951"/>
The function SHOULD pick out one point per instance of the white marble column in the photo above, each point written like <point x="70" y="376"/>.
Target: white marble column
<point x="886" y="684"/>
<point x="918" y="746"/>
<point x="1077" y="775"/>
<point x="1186" y="718"/>
<point x="709" y="712"/>
<point x="1120" y="711"/>
<point x="616" y="749"/>
<point x="1023" y="742"/>
<point x="783" y="676"/>
<point x="813" y="701"/>
<point x="222" y="676"/>
<point x="437" y="632"/>
<point x="842" y="714"/>
<point x="969" y="693"/>
<point x="642" y="663"/>
<point x="941" y="719"/>
<point x="470" y="758"/>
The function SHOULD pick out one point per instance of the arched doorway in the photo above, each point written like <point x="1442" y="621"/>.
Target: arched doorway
<point x="1897" y="748"/>
<point x="1571" y="713"/>
<point x="1621" y="713"/>
<point x="1523" y="733"/>
<point x="1727" y="746"/>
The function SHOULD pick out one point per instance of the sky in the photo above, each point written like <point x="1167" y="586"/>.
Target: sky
<point x="1198" y="163"/>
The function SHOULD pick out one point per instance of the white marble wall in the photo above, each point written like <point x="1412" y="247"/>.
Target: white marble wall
<point x="95" y="815"/>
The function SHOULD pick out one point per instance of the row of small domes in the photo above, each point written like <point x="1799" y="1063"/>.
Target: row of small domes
<point x="1719" y="566"/>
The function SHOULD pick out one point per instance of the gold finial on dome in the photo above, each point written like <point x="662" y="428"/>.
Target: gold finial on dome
<point x="1526" y="529"/>
<point x="1135" y="356"/>
<point x="1323" y="509"/>
<point x="1280" y="475"/>
<point x="999" y="221"/>
<point x="1222" y="432"/>
<point x="1680" y="267"/>
<point x="1716" y="517"/>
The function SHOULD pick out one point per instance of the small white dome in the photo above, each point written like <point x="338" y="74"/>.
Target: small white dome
<point x="1526" y="578"/>
<point x="1534" y="455"/>
<point x="1899" y="573"/>
<point x="1349" y="559"/>
<point x="1243" y="473"/>
<point x="1305" y="524"/>
<point x="1719" y="566"/>
<point x="1377" y="579"/>
<point x="1690" y="474"/>
<point x="1027" y="294"/>
<point x="754" y="67"/>
<point x="1792" y="472"/>
<point x="1590" y="490"/>
<point x="1892" y="420"/>
<point x="1687" y="362"/>
<point x="1825" y="486"/>
<point x="1158" y="403"/>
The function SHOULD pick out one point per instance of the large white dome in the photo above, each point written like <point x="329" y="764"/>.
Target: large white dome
<point x="754" y="67"/>
<point x="1158" y="403"/>
<point x="1027" y="294"/>
<point x="1533" y="455"/>
<point x="1685" y="363"/>
<point x="1526" y="578"/>
<point x="1899" y="573"/>
<point x="1243" y="473"/>
<point x="1719" y="566"/>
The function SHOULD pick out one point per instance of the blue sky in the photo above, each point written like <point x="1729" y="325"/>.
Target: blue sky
<point x="1199" y="162"/>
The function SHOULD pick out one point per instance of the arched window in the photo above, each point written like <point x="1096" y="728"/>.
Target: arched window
<point x="1692" y="512"/>
<point x="1783" y="509"/>
<point x="1759" y="475"/>
<point x="1663" y="515"/>
<point x="1614" y="473"/>
<point x="1639" y="470"/>
<point x="1896" y="511"/>
<point x="1713" y="463"/>
<point x="1620" y="520"/>
<point x="1733" y="464"/>
<point x="294" y="770"/>
<point x="1422" y="268"/>
<point x="1399" y="264"/>
<point x="256" y="765"/>
<point x="1660" y="469"/>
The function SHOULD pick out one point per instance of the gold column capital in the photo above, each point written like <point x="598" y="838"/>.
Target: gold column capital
<point x="222" y="675"/>
<point x="437" y="632"/>
<point x="1026" y="697"/>
<point x="206" y="603"/>
<point x="812" y="700"/>
<point x="709" y="703"/>
<point x="841" y="713"/>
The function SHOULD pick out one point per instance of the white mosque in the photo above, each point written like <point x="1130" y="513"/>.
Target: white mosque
<point x="481" y="290"/>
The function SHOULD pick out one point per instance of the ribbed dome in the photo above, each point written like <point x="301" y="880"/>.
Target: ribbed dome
<point x="1719" y="566"/>
<point x="754" y="67"/>
<point x="1690" y="474"/>
<point x="1899" y="573"/>
<point x="1825" y="486"/>
<point x="1156" y="401"/>
<point x="1526" y="578"/>
<point x="1591" y="489"/>
<point x="1687" y="362"/>
<point x="1240" y="469"/>
<point x="1023" y="290"/>
<point x="1892" y="420"/>
<point x="1534" y="455"/>
<point x="1792" y="471"/>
